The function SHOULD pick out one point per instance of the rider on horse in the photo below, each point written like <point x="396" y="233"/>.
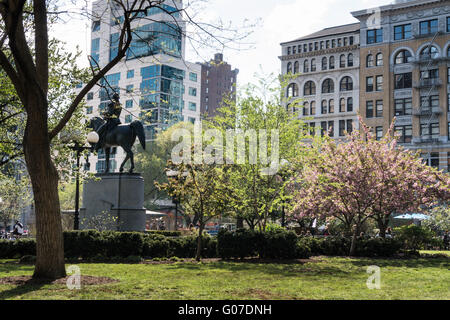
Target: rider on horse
<point x="112" y="118"/>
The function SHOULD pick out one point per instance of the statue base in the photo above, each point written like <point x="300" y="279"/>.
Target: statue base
<point x="113" y="201"/>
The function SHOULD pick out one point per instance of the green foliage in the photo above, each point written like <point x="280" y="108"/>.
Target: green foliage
<point x="414" y="237"/>
<point x="439" y="219"/>
<point x="239" y="244"/>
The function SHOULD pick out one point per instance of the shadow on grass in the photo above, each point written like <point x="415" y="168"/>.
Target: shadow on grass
<point x="285" y="268"/>
<point x="27" y="287"/>
<point x="431" y="262"/>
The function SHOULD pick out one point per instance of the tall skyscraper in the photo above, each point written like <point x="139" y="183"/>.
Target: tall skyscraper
<point x="156" y="84"/>
<point x="218" y="81"/>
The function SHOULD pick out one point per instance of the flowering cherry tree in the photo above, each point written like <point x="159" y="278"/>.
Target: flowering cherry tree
<point x="364" y="178"/>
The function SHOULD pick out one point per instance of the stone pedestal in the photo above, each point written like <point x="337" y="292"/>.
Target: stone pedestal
<point x="116" y="198"/>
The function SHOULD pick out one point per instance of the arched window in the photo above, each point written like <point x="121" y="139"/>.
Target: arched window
<point x="332" y="62"/>
<point x="429" y="53"/>
<point x="313" y="65"/>
<point x="292" y="90"/>
<point x="350" y="60"/>
<point x="296" y="67"/>
<point x="331" y="106"/>
<point x="328" y="86"/>
<point x="349" y="104"/>
<point x="342" y="61"/>
<point x="309" y="89"/>
<point x="324" y="63"/>
<point x="403" y="56"/>
<point x="306" y="66"/>
<point x="342" y="105"/>
<point x="289" y="67"/>
<point x="324" y="108"/>
<point x="346" y="84"/>
<point x="379" y="59"/>
<point x="370" y="61"/>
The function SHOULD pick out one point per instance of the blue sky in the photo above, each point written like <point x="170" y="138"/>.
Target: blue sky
<point x="280" y="20"/>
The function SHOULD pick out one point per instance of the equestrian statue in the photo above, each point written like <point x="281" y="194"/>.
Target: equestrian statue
<point x="112" y="133"/>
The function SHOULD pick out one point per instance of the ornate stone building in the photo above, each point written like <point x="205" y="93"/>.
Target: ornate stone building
<point x="326" y="69"/>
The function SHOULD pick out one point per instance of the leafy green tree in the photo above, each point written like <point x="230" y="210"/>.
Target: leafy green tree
<point x="439" y="219"/>
<point x="258" y="192"/>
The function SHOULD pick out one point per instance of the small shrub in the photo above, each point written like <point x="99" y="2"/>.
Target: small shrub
<point x="413" y="237"/>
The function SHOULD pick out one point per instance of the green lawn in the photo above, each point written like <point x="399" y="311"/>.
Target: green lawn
<point x="322" y="278"/>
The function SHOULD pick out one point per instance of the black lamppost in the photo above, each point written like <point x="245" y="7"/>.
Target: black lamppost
<point x="92" y="138"/>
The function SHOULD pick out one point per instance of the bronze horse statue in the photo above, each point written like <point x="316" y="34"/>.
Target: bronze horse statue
<point x="123" y="135"/>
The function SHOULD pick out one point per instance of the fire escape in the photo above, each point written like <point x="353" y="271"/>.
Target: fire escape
<point x="428" y="112"/>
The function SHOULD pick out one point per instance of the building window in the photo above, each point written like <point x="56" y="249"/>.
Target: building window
<point x="404" y="56"/>
<point x="351" y="40"/>
<point x="379" y="86"/>
<point x="431" y="159"/>
<point x="129" y="104"/>
<point x="289" y="68"/>
<point x="323" y="128"/>
<point x="331" y="128"/>
<point x="129" y="88"/>
<point x="292" y="90"/>
<point x="379" y="133"/>
<point x="429" y="103"/>
<point x="379" y="59"/>
<point x="350" y="60"/>
<point x="130" y="74"/>
<point x="403" y="81"/>
<point x="342" y="105"/>
<point x="332" y="63"/>
<point x="349" y="104"/>
<point x="379" y="109"/>
<point x="193" y="92"/>
<point x="404" y="133"/>
<point x="429" y="52"/>
<point x="192" y="106"/>
<point x="342" y="61"/>
<point x="341" y="128"/>
<point x="95" y="50"/>
<point x="448" y="27"/>
<point x="349" y="126"/>
<point x="429" y="131"/>
<point x="374" y="36"/>
<point x="324" y="108"/>
<point x="328" y="86"/>
<point x="313" y="65"/>
<point x="128" y="118"/>
<point x="369" y="84"/>
<point x="89" y="110"/>
<point x="309" y="89"/>
<point x="429" y="74"/>
<point x="402" y="32"/>
<point x="90" y="95"/>
<point x="403" y="107"/>
<point x="312" y="108"/>
<point x="294" y="50"/>
<point x="96" y="26"/>
<point x="306" y="66"/>
<point x="296" y="67"/>
<point x="193" y="76"/>
<point x="288" y="50"/>
<point x="306" y="109"/>
<point x="346" y="84"/>
<point x="429" y="27"/>
<point x="324" y="63"/>
<point x="369" y="109"/>
<point x="333" y="43"/>
<point x="305" y="48"/>
<point x="370" y="62"/>
<point x="331" y="106"/>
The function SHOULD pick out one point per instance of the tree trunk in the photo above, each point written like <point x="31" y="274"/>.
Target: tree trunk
<point x="354" y="239"/>
<point x="382" y="225"/>
<point x="44" y="179"/>
<point x="198" y="255"/>
<point x="239" y="223"/>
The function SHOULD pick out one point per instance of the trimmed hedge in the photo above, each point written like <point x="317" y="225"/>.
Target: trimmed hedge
<point x="275" y="244"/>
<point x="92" y="244"/>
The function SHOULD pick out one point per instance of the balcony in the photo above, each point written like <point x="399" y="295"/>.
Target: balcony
<point x="428" y="58"/>
<point x="428" y="35"/>
<point x="428" y="83"/>
<point x="427" y="111"/>
<point x="427" y="140"/>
